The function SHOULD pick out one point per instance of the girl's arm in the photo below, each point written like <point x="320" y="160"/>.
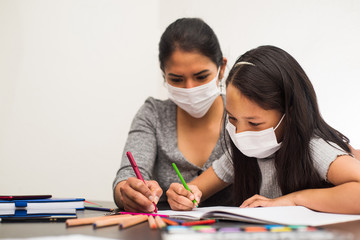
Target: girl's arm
<point x="202" y="187"/>
<point x="344" y="173"/>
<point x="355" y="152"/>
<point x="209" y="183"/>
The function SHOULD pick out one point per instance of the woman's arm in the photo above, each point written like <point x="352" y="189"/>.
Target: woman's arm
<point x="344" y="173"/>
<point x="131" y="193"/>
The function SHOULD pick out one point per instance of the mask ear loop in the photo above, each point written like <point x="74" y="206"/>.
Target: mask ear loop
<point x="222" y="86"/>
<point x="221" y="82"/>
<point x="279" y="122"/>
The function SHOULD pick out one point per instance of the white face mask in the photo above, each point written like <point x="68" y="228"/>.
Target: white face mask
<point x="258" y="144"/>
<point x="197" y="100"/>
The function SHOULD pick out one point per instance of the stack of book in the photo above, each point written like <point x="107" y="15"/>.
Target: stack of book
<point x="38" y="208"/>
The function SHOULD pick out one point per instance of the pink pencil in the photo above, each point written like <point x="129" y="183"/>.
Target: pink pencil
<point x="137" y="172"/>
<point x="148" y="214"/>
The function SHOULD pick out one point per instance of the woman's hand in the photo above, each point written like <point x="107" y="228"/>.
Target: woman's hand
<point x="181" y="199"/>
<point x="261" y="201"/>
<point x="137" y="196"/>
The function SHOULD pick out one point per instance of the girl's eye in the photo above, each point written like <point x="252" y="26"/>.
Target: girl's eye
<point x="254" y="124"/>
<point x="231" y="118"/>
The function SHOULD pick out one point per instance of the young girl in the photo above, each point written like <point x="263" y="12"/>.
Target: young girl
<point x="186" y="128"/>
<point x="282" y="152"/>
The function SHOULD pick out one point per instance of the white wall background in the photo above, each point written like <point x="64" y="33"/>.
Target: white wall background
<point x="74" y="72"/>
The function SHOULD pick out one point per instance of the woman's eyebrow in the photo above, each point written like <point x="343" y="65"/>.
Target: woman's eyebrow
<point x="201" y="72"/>
<point x="174" y="75"/>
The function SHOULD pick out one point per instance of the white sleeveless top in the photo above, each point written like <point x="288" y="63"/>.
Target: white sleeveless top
<point x="322" y="153"/>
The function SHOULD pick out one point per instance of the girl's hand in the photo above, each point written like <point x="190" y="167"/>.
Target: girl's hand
<point x="137" y="196"/>
<point x="181" y="199"/>
<point x="260" y="201"/>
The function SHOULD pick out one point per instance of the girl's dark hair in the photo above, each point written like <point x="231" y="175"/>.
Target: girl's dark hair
<point x="277" y="81"/>
<point x="189" y="34"/>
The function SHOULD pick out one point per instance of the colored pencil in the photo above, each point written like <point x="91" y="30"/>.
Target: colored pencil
<point x="133" y="221"/>
<point x="170" y="222"/>
<point x="201" y="222"/>
<point x="179" y="221"/>
<point x="137" y="172"/>
<point x="159" y="222"/>
<point x="183" y="181"/>
<point x="112" y="221"/>
<point x="152" y="223"/>
<point x="99" y="209"/>
<point x="148" y="214"/>
<point x="87" y="221"/>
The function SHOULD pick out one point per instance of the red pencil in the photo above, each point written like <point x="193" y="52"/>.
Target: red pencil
<point x="201" y="222"/>
<point x="136" y="170"/>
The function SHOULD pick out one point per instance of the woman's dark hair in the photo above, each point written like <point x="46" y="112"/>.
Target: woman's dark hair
<point x="277" y="81"/>
<point x="189" y="34"/>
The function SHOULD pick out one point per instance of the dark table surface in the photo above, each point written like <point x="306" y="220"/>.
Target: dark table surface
<point x="141" y="231"/>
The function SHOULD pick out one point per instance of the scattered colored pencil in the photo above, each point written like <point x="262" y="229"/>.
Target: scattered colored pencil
<point x="159" y="222"/>
<point x="201" y="222"/>
<point x="112" y="221"/>
<point x="152" y="223"/>
<point x="170" y="222"/>
<point x="99" y="209"/>
<point x="148" y="214"/>
<point x="133" y="221"/>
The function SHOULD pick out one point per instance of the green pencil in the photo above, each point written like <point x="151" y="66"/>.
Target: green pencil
<point x="183" y="181"/>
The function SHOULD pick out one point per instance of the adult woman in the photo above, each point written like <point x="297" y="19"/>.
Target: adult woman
<point x="185" y="129"/>
<point x="282" y="151"/>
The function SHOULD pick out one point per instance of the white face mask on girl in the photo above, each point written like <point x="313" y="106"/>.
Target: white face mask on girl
<point x="197" y="100"/>
<point x="258" y="144"/>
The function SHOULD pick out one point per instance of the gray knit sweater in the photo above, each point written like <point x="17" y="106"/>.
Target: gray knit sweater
<point x="152" y="141"/>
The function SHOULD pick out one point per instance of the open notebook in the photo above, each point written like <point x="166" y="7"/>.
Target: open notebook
<point x="288" y="215"/>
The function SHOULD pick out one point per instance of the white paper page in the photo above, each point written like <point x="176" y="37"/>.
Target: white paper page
<point x="292" y="215"/>
<point x="287" y="215"/>
<point x="196" y="213"/>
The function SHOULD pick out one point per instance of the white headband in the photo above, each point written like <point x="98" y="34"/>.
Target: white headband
<point x="244" y="63"/>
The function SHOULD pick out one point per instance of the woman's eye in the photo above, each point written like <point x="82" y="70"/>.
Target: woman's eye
<point x="203" y="77"/>
<point x="175" y="80"/>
